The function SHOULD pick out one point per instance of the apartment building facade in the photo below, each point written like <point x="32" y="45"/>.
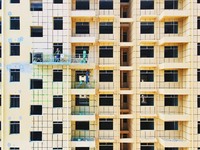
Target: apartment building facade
<point x="100" y="74"/>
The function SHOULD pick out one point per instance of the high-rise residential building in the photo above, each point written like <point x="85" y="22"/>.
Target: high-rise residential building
<point x="100" y="74"/>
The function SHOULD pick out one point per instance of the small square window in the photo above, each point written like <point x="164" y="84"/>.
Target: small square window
<point x="171" y="148"/>
<point x="106" y="28"/>
<point x="14" y="75"/>
<point x="36" y="83"/>
<point x="171" y="100"/>
<point x="171" y="27"/>
<point x="171" y="76"/>
<point x="147" y="28"/>
<point x="198" y="127"/>
<point x="57" y="127"/>
<point x="82" y="5"/>
<point x="106" y="146"/>
<point x="105" y="4"/>
<point x="105" y="124"/>
<point x="14" y="101"/>
<point x="57" y="23"/>
<point x="57" y="101"/>
<point x="146" y="100"/>
<point x="106" y="76"/>
<point x="14" y="23"/>
<point x="14" y="1"/>
<point x="82" y="28"/>
<point x="198" y="75"/>
<point x="82" y="125"/>
<point x="147" y="146"/>
<point x="146" y="76"/>
<point x="146" y="4"/>
<point x="198" y="49"/>
<point x="171" y="4"/>
<point x="106" y="51"/>
<point x="198" y="22"/>
<point x="36" y="31"/>
<point x="198" y="101"/>
<point x="146" y="51"/>
<point x="36" y="136"/>
<point x="36" y="5"/>
<point x="171" y="125"/>
<point x="171" y="52"/>
<point x="57" y="75"/>
<point x="14" y="127"/>
<point x="146" y="124"/>
<point x="82" y="101"/>
<point x="106" y="100"/>
<point x="14" y="49"/>
<point x="36" y="109"/>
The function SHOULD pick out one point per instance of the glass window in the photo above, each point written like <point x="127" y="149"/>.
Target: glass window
<point x="14" y="23"/>
<point x="14" y="127"/>
<point x="82" y="28"/>
<point x="80" y="50"/>
<point x="57" y="23"/>
<point x="171" y="27"/>
<point x="147" y="28"/>
<point x="58" y="46"/>
<point x="36" y="84"/>
<point x="82" y="125"/>
<point x="36" y="6"/>
<point x="57" y="75"/>
<point x="171" y="76"/>
<point x="146" y="4"/>
<point x="198" y="49"/>
<point x="147" y="146"/>
<point x="36" y="136"/>
<point x="82" y="4"/>
<point x="57" y="101"/>
<point x="198" y="74"/>
<point x="14" y="1"/>
<point x="198" y="22"/>
<point x="36" y="31"/>
<point x="105" y="100"/>
<point x="198" y="127"/>
<point x="105" y="28"/>
<point x="57" y="1"/>
<point x="146" y="76"/>
<point x="146" y="100"/>
<point x="105" y="124"/>
<point x="14" y="148"/>
<point x="198" y="101"/>
<point x="171" y="100"/>
<point x="105" y="146"/>
<point x="14" y="75"/>
<point x="106" y="51"/>
<point x="172" y="125"/>
<point x="171" y="4"/>
<point x="82" y="148"/>
<point x="105" y="4"/>
<point x="106" y="76"/>
<point x="171" y="148"/>
<point x="146" y="124"/>
<point x="14" y="49"/>
<point x="57" y="127"/>
<point x="171" y="52"/>
<point x="82" y="101"/>
<point x="36" y="109"/>
<point x="146" y="51"/>
<point x="14" y="101"/>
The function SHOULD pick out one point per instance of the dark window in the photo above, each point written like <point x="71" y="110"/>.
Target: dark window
<point x="171" y="125"/>
<point x="0" y="51"/>
<point x="105" y="4"/>
<point x="37" y="57"/>
<point x="106" y="100"/>
<point x="14" y="127"/>
<point x="57" y="75"/>
<point x="105" y="28"/>
<point x="171" y="52"/>
<point x="198" y="101"/>
<point x="147" y="100"/>
<point x="125" y="57"/>
<point x="14" y="101"/>
<point x="14" y="148"/>
<point x="36" y="109"/>
<point x="82" y="4"/>
<point x="57" y="148"/>
<point x="146" y="124"/>
<point x="171" y="27"/>
<point x="198" y="49"/>
<point x="147" y="28"/>
<point x="106" y="51"/>
<point x="198" y="74"/>
<point x="82" y="125"/>
<point x="171" y="4"/>
<point x="146" y="4"/>
<point x="58" y="46"/>
<point x="0" y="3"/>
<point x="146" y="76"/>
<point x="14" y="75"/>
<point x="171" y="76"/>
<point x="0" y="76"/>
<point x="0" y="125"/>
<point x="36" y="136"/>
<point x="82" y="148"/>
<point x="14" y="23"/>
<point x="146" y="51"/>
<point x="36" y="31"/>
<point x="147" y="146"/>
<point x="36" y="84"/>
<point x="106" y="76"/>
<point x="171" y="148"/>
<point x="198" y="22"/>
<point x="82" y="28"/>
<point x="198" y="1"/>
<point x="14" y="49"/>
<point x="57" y="127"/>
<point x="82" y="100"/>
<point x="57" y="23"/>
<point x="105" y="124"/>
<point x="80" y="50"/>
<point x="105" y="146"/>
<point x="36" y="6"/>
<point x="171" y="100"/>
<point x="57" y="1"/>
<point x="14" y="1"/>
<point x="0" y="100"/>
<point x="57" y="101"/>
<point x="0" y="27"/>
<point x="198" y="127"/>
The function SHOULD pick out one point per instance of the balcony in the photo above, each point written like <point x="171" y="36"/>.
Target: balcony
<point x="83" y="87"/>
<point x="147" y="136"/>
<point x="85" y="33"/>
<point x="147" y="87"/>
<point x="107" y="62"/>
<point x="83" y="138"/>
<point x="147" y="111"/>
<point x="83" y="113"/>
<point x="106" y="111"/>
<point x="147" y="62"/>
<point x="175" y="14"/>
<point x="171" y="39"/>
<point x="109" y="38"/>
<point x="146" y="14"/>
<point x="174" y="117"/>
<point x="173" y="63"/>
<point x="106" y="86"/>
<point x="166" y="142"/>
<point x="83" y="13"/>
<point x="106" y="135"/>
<point x="103" y="13"/>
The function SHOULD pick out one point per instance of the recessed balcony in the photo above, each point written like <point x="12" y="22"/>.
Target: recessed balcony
<point x="83" y="87"/>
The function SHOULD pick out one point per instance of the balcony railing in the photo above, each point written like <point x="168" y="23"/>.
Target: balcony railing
<point x="83" y="110"/>
<point x="106" y="110"/>
<point x="83" y="85"/>
<point x="83" y="135"/>
<point x="106" y="134"/>
<point x="40" y="58"/>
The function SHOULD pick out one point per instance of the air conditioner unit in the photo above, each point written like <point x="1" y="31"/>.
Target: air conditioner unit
<point x="82" y="96"/>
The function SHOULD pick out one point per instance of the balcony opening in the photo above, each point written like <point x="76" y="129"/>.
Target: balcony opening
<point x="36" y="109"/>
<point x="82" y="28"/>
<point x="36" y="5"/>
<point x="125" y="31"/>
<point x="106" y="28"/>
<point x="105" y="124"/>
<point x="105" y="146"/>
<point x="146" y="76"/>
<point x="147" y="28"/>
<point x="146" y="51"/>
<point x="171" y="76"/>
<point x="125" y="103"/>
<point x="146" y="124"/>
<point x="124" y="126"/>
<point x="125" y="55"/>
<point x="146" y="4"/>
<point x="82" y="4"/>
<point x="171" y="4"/>
<point x="57" y="101"/>
<point x="35" y="136"/>
<point x="36" y="83"/>
<point x="171" y="100"/>
<point x="106" y="76"/>
<point x="171" y="52"/>
<point x="125" y="80"/>
<point x="171" y="125"/>
<point x="81" y="51"/>
<point x="147" y="146"/>
<point x="171" y="27"/>
<point x="82" y="125"/>
<point x="106" y="4"/>
<point x="146" y="100"/>
<point x="37" y="57"/>
<point x="82" y="100"/>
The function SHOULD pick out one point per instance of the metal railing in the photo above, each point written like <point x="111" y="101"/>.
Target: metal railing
<point x="83" y="85"/>
<point x="83" y="135"/>
<point x="83" y="110"/>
